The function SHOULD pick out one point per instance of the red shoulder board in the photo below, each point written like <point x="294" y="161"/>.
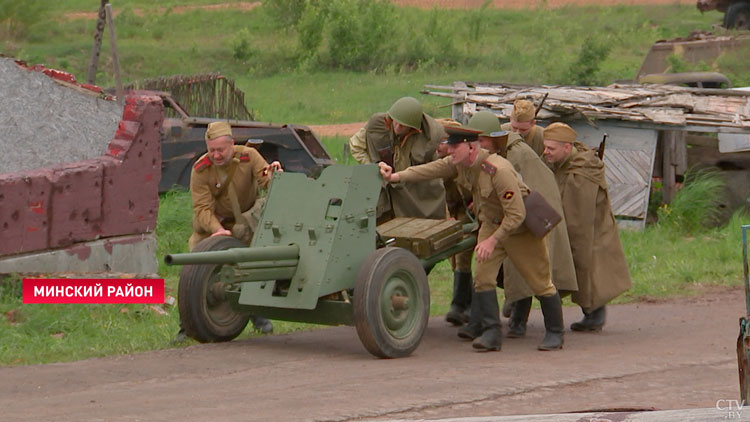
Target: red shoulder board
<point x="203" y="163"/>
<point x="244" y="157"/>
<point x="489" y="168"/>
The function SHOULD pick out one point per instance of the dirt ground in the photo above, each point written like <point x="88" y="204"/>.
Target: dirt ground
<point x="675" y="354"/>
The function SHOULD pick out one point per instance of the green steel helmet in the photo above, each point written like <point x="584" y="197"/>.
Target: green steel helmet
<point x="407" y="111"/>
<point x="486" y="121"/>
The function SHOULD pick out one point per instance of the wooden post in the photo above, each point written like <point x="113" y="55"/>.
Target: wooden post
<point x="96" y="49"/>
<point x="668" y="165"/>
<point x="115" y="57"/>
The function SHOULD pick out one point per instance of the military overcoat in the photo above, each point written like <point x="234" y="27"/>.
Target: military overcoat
<point x="601" y="269"/>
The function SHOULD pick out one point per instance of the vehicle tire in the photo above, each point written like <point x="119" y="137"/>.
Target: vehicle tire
<point x="737" y="16"/>
<point x="391" y="302"/>
<point x="205" y="314"/>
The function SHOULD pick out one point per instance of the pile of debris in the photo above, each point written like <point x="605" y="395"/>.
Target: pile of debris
<point x="46" y="121"/>
<point x="642" y="104"/>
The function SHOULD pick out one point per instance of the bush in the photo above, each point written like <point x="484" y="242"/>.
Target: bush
<point x="695" y="205"/>
<point x="584" y="70"/>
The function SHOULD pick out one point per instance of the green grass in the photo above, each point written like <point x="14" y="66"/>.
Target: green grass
<point x="429" y="46"/>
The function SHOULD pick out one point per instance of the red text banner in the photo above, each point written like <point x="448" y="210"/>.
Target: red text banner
<point x="96" y="290"/>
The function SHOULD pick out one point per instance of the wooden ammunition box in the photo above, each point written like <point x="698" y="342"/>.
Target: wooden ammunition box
<point x="422" y="236"/>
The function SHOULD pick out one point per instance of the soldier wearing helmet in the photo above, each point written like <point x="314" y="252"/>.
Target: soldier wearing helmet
<point x="538" y="177"/>
<point x="523" y="122"/>
<point x="403" y="137"/>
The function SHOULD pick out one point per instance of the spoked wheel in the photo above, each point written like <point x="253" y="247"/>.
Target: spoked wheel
<point x="391" y="303"/>
<point x="205" y="312"/>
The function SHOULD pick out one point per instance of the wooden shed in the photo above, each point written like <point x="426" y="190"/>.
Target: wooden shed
<point x="646" y="127"/>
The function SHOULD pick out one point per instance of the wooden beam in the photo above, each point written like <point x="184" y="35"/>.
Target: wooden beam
<point x="96" y="49"/>
<point x="115" y="56"/>
<point x="668" y="139"/>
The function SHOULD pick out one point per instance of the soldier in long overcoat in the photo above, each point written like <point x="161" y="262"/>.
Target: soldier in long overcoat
<point x="601" y="269"/>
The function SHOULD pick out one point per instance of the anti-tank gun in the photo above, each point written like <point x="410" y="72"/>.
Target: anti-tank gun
<point x="318" y="257"/>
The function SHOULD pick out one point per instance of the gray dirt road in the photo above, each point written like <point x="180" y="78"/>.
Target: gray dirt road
<point x="663" y="355"/>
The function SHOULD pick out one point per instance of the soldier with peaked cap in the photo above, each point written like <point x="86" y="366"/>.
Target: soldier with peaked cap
<point x="224" y="186"/>
<point x="523" y="122"/>
<point x="538" y="177"/>
<point x="601" y="269"/>
<point x="498" y="193"/>
<point x="404" y="136"/>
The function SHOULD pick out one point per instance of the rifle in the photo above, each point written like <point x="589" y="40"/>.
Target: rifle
<point x="603" y="144"/>
<point x="539" y="107"/>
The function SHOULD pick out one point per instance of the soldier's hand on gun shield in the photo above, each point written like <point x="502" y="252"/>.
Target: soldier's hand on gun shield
<point x="387" y="172"/>
<point x="275" y="166"/>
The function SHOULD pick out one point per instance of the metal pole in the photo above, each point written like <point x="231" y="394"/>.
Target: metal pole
<point x="115" y="57"/>
<point x="745" y="230"/>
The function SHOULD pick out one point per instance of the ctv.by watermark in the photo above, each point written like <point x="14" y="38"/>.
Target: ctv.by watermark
<point x="731" y="408"/>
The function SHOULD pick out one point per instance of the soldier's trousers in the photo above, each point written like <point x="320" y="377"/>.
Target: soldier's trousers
<point x="461" y="261"/>
<point x="528" y="253"/>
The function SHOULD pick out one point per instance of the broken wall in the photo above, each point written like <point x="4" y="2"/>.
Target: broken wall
<point x="112" y="194"/>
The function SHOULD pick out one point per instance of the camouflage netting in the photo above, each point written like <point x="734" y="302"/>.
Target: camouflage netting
<point x="43" y="123"/>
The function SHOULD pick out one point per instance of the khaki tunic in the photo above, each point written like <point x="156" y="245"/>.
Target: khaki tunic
<point x="538" y="177"/>
<point x="498" y="193"/>
<point x="534" y="138"/>
<point x="599" y="259"/>
<point x="211" y="213"/>
<point x="422" y="199"/>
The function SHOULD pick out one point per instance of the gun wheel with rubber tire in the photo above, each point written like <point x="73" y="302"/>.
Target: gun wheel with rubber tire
<point x="205" y="312"/>
<point x="391" y="302"/>
<point x="737" y="16"/>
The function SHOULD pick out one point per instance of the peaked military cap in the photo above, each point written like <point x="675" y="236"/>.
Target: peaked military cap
<point x="460" y="134"/>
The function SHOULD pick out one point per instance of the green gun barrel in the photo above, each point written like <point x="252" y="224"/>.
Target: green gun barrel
<point x="237" y="256"/>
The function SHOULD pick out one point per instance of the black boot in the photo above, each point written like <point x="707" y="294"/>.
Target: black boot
<point x="592" y="321"/>
<point x="518" y="318"/>
<point x="262" y="324"/>
<point x="473" y="329"/>
<point x="458" y="314"/>
<point x="553" y="322"/>
<point x="491" y="338"/>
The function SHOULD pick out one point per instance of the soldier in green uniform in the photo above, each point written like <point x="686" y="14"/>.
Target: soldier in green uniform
<point x="224" y="186"/>
<point x="523" y="122"/>
<point x="403" y="137"/>
<point x="601" y="269"/>
<point x="538" y="177"/>
<point x="497" y="193"/>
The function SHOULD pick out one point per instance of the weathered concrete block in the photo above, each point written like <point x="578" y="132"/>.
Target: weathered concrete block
<point x="126" y="254"/>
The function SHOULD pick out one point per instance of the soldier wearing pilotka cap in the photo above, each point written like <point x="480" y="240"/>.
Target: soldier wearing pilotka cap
<point x="224" y="186"/>
<point x="523" y="122"/>
<point x="498" y="193"/>
<point x="601" y="270"/>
